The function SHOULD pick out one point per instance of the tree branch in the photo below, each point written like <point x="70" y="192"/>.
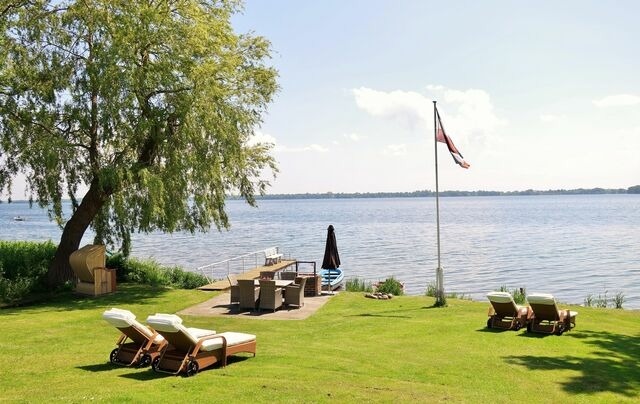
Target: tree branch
<point x="168" y="91"/>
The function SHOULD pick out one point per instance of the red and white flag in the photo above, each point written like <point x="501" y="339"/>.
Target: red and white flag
<point x="442" y="137"/>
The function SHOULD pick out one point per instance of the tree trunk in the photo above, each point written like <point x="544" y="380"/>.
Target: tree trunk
<point x="60" y="270"/>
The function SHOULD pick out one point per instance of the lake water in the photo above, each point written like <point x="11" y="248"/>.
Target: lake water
<point x="571" y="246"/>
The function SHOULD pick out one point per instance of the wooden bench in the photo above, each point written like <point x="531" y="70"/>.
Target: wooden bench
<point x="271" y="256"/>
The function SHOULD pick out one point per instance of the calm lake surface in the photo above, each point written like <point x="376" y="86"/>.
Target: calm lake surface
<point x="571" y="246"/>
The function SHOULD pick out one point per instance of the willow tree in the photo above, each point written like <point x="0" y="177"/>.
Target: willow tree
<point x="139" y="112"/>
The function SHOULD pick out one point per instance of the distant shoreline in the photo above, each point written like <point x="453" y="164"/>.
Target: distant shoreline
<point x="428" y="193"/>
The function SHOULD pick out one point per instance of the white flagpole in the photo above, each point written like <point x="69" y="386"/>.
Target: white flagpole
<point x="439" y="274"/>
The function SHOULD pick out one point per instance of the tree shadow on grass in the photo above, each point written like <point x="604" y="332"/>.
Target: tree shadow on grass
<point x="402" y="312"/>
<point x="612" y="366"/>
<point x="126" y="294"/>
<point x="378" y="315"/>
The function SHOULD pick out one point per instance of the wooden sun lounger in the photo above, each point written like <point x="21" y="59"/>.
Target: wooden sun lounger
<point x="546" y="317"/>
<point x="505" y="313"/>
<point x="138" y="345"/>
<point x="193" y="349"/>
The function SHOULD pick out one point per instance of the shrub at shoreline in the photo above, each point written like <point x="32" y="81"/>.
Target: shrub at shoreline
<point x="24" y="266"/>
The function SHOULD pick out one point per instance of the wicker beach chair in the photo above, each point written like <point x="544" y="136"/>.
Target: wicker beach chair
<point x="545" y="316"/>
<point x="505" y="313"/>
<point x="137" y="345"/>
<point x="193" y="349"/>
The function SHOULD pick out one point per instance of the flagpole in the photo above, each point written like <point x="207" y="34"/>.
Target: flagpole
<point x="439" y="275"/>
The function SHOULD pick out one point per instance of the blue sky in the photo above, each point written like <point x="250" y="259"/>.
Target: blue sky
<point x="541" y="95"/>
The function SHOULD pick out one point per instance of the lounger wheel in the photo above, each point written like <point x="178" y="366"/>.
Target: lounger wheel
<point x="517" y="326"/>
<point x="155" y="365"/>
<point x="113" y="356"/>
<point x="145" y="361"/>
<point x="560" y="329"/>
<point x="192" y="368"/>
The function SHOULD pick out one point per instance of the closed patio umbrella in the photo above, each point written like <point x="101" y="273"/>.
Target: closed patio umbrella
<point x="331" y="258"/>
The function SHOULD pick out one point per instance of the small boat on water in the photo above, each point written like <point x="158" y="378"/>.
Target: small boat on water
<point x="19" y="218"/>
<point x="332" y="277"/>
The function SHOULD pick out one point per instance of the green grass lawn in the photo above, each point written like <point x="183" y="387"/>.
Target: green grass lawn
<point x="352" y="349"/>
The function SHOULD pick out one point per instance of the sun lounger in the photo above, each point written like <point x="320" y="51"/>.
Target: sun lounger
<point x="194" y="349"/>
<point x="545" y="317"/>
<point x="138" y="344"/>
<point x="505" y="313"/>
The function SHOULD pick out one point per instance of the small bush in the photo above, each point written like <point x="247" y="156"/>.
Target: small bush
<point x="589" y="301"/>
<point x="602" y="301"/>
<point x="519" y="295"/>
<point x="149" y="272"/>
<point x="392" y="286"/>
<point x="23" y="269"/>
<point x="358" y="285"/>
<point x="456" y="295"/>
<point x="618" y="300"/>
<point x="431" y="290"/>
<point x="185" y="279"/>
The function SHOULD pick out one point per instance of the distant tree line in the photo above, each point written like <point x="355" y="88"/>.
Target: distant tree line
<point x="428" y="193"/>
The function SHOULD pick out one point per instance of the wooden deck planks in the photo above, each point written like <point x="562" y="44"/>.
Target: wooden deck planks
<point x="253" y="273"/>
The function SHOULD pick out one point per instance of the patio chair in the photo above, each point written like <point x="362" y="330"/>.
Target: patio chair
<point x="138" y="345"/>
<point x="192" y="349"/>
<point x="288" y="275"/>
<point x="294" y="294"/>
<point x="234" y="289"/>
<point x="505" y="313"/>
<point x="249" y="294"/>
<point x="546" y="317"/>
<point x="270" y="295"/>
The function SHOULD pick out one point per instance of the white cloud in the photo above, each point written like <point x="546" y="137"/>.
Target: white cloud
<point x="396" y="149"/>
<point x="408" y="106"/>
<point x="473" y="111"/>
<point x="310" y="148"/>
<point x="618" y="100"/>
<point x="259" y="137"/>
<point x="468" y="115"/>
<point x="549" y="117"/>
<point x="355" y="137"/>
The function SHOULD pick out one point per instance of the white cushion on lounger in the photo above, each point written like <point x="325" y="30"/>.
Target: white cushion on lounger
<point x="233" y="338"/>
<point x="120" y="318"/>
<point x="541" y="298"/>
<point x="173" y="323"/>
<point x="500" y="297"/>
<point x="199" y="332"/>
<point x="170" y="317"/>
